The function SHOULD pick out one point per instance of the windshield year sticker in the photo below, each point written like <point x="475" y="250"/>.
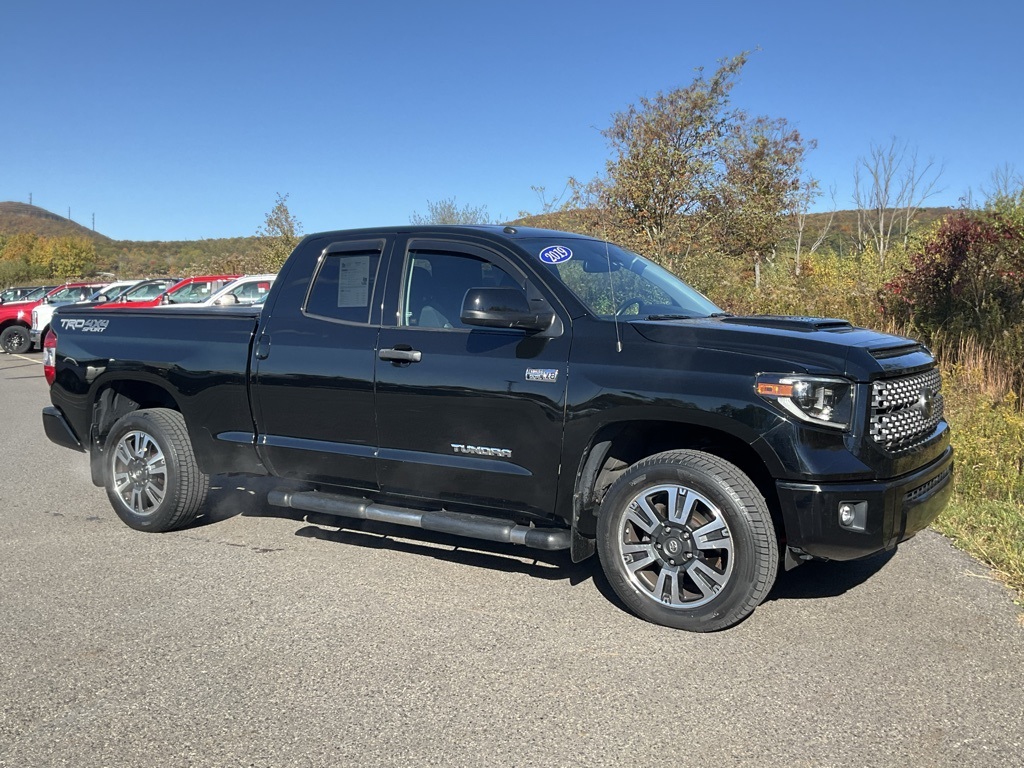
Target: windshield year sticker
<point x="555" y="254"/>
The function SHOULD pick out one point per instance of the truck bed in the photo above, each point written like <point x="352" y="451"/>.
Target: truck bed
<point x="198" y="357"/>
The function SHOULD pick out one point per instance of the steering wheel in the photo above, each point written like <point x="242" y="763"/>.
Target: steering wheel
<point x="627" y="304"/>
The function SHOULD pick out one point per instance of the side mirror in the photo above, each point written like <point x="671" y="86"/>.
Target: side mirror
<point x="503" y="308"/>
<point x="226" y="299"/>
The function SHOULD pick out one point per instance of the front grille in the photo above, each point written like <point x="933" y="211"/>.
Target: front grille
<point x="924" y="490"/>
<point x="906" y="410"/>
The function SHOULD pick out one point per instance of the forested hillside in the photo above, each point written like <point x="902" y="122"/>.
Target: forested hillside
<point x="37" y="245"/>
<point x="22" y="218"/>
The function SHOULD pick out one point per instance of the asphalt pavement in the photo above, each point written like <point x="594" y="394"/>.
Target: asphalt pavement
<point x="256" y="639"/>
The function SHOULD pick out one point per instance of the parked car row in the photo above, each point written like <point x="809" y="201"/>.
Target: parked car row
<point x="26" y="315"/>
<point x="24" y="293"/>
<point x="16" y="316"/>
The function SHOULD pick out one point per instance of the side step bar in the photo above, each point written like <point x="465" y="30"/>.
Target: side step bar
<point x="441" y="521"/>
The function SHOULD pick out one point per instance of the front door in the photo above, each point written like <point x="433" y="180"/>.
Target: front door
<point x="469" y="416"/>
<point x="313" y="384"/>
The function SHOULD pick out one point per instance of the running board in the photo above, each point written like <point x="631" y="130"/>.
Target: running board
<point x="441" y="521"/>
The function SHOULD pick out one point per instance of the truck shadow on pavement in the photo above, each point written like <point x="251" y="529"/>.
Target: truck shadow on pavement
<point x="247" y="496"/>
<point x="819" y="579"/>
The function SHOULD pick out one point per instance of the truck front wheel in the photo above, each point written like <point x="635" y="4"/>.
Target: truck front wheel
<point x="686" y="541"/>
<point x="15" y="340"/>
<point x="152" y="478"/>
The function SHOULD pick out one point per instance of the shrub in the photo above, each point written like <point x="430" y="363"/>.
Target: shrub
<point x="967" y="282"/>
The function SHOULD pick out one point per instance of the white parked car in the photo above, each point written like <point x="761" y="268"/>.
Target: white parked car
<point x="113" y="291"/>
<point x="247" y="289"/>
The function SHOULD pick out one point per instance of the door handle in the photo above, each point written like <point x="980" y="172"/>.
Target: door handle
<point x="263" y="347"/>
<point x="400" y="355"/>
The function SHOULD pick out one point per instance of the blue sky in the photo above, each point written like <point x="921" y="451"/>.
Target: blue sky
<point x="183" y="120"/>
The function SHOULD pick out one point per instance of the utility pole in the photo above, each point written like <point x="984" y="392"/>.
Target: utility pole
<point x="30" y="198"/>
<point x="94" y="222"/>
<point x="69" y="213"/>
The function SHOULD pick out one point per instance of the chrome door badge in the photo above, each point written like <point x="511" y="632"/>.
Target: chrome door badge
<point x="548" y="375"/>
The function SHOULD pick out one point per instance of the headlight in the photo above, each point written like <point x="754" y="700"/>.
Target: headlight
<point x="821" y="400"/>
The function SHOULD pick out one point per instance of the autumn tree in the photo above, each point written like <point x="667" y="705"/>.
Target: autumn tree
<point x="967" y="280"/>
<point x="762" y="186"/>
<point x="23" y="259"/>
<point x="448" y="211"/>
<point x="666" y="160"/>
<point x="19" y="248"/>
<point x="806" y="199"/>
<point x="69" y="258"/>
<point x="890" y="186"/>
<point x="1005" y="190"/>
<point x="277" y="238"/>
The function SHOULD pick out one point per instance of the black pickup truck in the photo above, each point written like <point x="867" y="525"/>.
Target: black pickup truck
<point x="526" y="386"/>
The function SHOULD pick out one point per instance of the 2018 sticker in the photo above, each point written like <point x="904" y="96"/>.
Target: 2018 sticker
<point x="555" y="254"/>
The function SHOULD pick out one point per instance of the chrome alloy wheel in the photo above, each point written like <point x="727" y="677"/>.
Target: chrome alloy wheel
<point x="139" y="471"/>
<point x="676" y="546"/>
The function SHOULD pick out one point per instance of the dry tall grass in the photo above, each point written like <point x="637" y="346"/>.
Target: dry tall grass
<point x="984" y="408"/>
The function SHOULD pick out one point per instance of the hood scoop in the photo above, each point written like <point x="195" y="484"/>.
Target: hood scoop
<point x="787" y="323"/>
<point x="899" y="350"/>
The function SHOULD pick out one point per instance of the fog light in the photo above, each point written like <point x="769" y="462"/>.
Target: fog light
<point x="853" y="515"/>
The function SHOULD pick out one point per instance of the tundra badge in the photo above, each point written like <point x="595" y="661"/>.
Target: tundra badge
<point x="548" y="375"/>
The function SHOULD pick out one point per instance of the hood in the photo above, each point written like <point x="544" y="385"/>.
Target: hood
<point x="786" y="344"/>
<point x="12" y="309"/>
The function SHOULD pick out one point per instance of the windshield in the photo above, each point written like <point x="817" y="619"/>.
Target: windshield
<point x="146" y="291"/>
<point x="13" y="294"/>
<point x="24" y="294"/>
<point x="196" y="291"/>
<point x="612" y="281"/>
<point x="70" y="294"/>
<point x="112" y="291"/>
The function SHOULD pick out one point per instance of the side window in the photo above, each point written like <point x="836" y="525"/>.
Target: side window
<point x="343" y="286"/>
<point x="436" y="283"/>
<point x="251" y="291"/>
<point x="193" y="294"/>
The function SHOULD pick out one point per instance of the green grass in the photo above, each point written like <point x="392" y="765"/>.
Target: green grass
<point x="992" y="532"/>
<point x="986" y="516"/>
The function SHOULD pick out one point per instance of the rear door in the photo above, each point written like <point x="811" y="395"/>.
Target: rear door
<point x="468" y="416"/>
<point x="314" y="366"/>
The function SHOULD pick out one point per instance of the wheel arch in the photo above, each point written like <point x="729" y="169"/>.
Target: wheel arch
<point x="615" y="447"/>
<point x="115" y="398"/>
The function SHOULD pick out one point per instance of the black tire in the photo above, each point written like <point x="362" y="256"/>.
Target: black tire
<point x="15" y="340"/>
<point x="150" y="471"/>
<point x="686" y="541"/>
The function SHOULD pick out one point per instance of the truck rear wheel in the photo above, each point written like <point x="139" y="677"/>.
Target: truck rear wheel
<point x="15" y="340"/>
<point x="152" y="478"/>
<point x="686" y="541"/>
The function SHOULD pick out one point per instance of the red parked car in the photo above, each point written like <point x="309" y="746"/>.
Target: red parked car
<point x="16" y="316"/>
<point x="191" y="290"/>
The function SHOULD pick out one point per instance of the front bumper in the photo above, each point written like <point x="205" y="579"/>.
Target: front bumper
<point x="36" y="336"/>
<point x="896" y="509"/>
